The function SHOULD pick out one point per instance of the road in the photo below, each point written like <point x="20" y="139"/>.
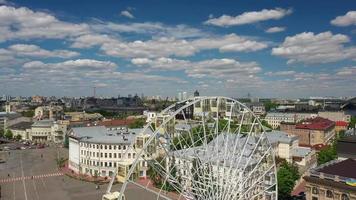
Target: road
<point x="33" y="177"/>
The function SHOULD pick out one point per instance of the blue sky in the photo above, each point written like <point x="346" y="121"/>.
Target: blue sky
<point x="231" y="48"/>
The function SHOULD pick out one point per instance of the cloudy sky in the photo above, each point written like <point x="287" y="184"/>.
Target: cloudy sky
<point x="232" y="48"/>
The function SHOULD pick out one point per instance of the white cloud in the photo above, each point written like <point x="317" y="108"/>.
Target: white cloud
<point x="347" y="71"/>
<point x="346" y="20"/>
<point x="281" y="73"/>
<point x="249" y="17"/>
<point x="308" y="47"/>
<point x="80" y="64"/>
<point x="275" y="29"/>
<point x="29" y="50"/>
<point x="214" y="68"/>
<point x="127" y="14"/>
<point x="165" y="47"/>
<point x="150" y="28"/>
<point x="23" y="23"/>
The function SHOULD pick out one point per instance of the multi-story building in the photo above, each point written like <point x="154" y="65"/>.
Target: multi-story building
<point x="311" y="132"/>
<point x="257" y="108"/>
<point x="99" y="151"/>
<point x="150" y="115"/>
<point x="23" y="129"/>
<point x="10" y="118"/>
<point x="335" y="115"/>
<point x="287" y="147"/>
<point x="346" y="147"/>
<point x="333" y="180"/>
<point x="49" y="112"/>
<point x="46" y="131"/>
<point x="275" y="118"/>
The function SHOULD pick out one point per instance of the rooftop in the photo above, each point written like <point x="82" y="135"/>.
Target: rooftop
<point x="21" y="126"/>
<point x="100" y="134"/>
<point x="345" y="168"/>
<point x="43" y="123"/>
<point x="317" y="123"/>
<point x="280" y="136"/>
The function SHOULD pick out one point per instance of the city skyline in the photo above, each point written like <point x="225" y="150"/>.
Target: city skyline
<point x="269" y="49"/>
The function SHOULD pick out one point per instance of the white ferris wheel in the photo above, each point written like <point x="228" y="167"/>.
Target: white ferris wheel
<point x="205" y="148"/>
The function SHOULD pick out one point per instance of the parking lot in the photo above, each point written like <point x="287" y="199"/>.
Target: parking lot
<point x="26" y="175"/>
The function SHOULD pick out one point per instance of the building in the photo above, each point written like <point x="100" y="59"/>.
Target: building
<point x="346" y="147"/>
<point x="23" y="129"/>
<point x="335" y="115"/>
<point x="333" y="180"/>
<point x="311" y="132"/>
<point x="341" y="126"/>
<point x="287" y="147"/>
<point x="196" y="93"/>
<point x="82" y="116"/>
<point x="46" y="131"/>
<point x="49" y="112"/>
<point x="150" y="116"/>
<point x="99" y="151"/>
<point x="257" y="108"/>
<point x="184" y="95"/>
<point x="9" y="118"/>
<point x="275" y="118"/>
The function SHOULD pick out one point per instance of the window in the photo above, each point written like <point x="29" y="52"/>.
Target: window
<point x="329" y="194"/>
<point x="345" y="197"/>
<point x="106" y="147"/>
<point x="314" y="198"/>
<point x="106" y="155"/>
<point x="315" y="190"/>
<point x="110" y="155"/>
<point x="110" y="147"/>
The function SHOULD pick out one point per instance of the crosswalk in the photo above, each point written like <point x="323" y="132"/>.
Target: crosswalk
<point x="13" y="179"/>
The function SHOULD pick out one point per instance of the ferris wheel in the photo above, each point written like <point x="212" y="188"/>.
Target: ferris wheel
<point x="206" y="148"/>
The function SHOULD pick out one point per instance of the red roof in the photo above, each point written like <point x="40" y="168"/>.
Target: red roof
<point x="317" y="123"/>
<point x="116" y="122"/>
<point x="341" y="123"/>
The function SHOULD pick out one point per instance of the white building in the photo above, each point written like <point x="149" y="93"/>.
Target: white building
<point x="45" y="131"/>
<point x="150" y="116"/>
<point x="274" y="118"/>
<point x="335" y="116"/>
<point x="99" y="151"/>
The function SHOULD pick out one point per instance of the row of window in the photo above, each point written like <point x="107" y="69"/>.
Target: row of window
<point x="329" y="194"/>
<point x="103" y="146"/>
<point x="105" y="155"/>
<point x="106" y="164"/>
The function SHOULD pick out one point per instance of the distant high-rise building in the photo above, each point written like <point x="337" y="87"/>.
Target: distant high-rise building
<point x="196" y="93"/>
<point x="185" y="96"/>
<point x="180" y="97"/>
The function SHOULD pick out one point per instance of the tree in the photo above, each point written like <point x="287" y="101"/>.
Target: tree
<point x="327" y="154"/>
<point x="18" y="137"/>
<point x="352" y="122"/>
<point x="138" y="123"/>
<point x="1" y="133"/>
<point x="29" y="113"/>
<point x="270" y="105"/>
<point x="266" y="124"/>
<point x="9" y="135"/>
<point x="287" y="175"/>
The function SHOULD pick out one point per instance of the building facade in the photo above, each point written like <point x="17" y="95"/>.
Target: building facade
<point x="332" y="180"/>
<point x="100" y="151"/>
<point x="276" y="118"/>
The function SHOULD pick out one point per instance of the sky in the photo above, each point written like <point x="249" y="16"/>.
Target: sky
<point x="268" y="48"/>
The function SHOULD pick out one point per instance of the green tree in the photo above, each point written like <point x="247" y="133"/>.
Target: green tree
<point x="29" y="113"/>
<point x="9" y="135"/>
<point x="18" y="137"/>
<point x="138" y="123"/>
<point x="287" y="175"/>
<point x="327" y="154"/>
<point x="266" y="124"/>
<point x="1" y="133"/>
<point x="270" y="105"/>
<point x="352" y="122"/>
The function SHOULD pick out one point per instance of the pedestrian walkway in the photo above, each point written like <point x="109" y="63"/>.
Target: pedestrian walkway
<point x="13" y="179"/>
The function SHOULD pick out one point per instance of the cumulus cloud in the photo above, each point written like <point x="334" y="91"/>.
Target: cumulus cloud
<point x="127" y="14"/>
<point x="346" y="20"/>
<point x="30" y="50"/>
<point x="308" y="47"/>
<point x="23" y="23"/>
<point x="80" y="64"/>
<point x="347" y="71"/>
<point x="249" y="17"/>
<point x="215" y="68"/>
<point x="165" y="47"/>
<point x="281" y="73"/>
<point x="275" y="29"/>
